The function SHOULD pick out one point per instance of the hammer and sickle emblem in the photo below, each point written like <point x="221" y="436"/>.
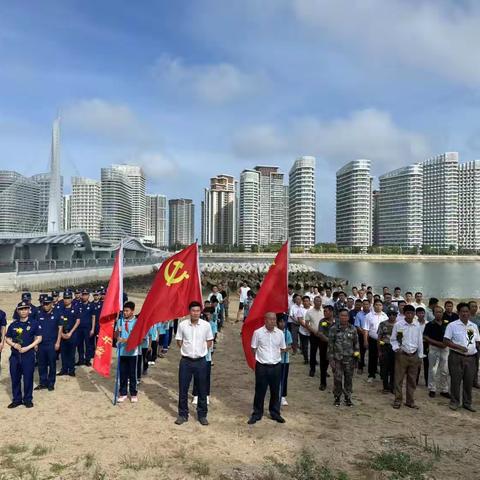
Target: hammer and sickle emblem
<point x="171" y="277"/>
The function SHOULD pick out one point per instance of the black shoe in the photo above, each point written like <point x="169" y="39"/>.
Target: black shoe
<point x="348" y="402"/>
<point x="40" y="387"/>
<point x="476" y="385"/>
<point x="278" y="419"/>
<point x="469" y="408"/>
<point x="71" y="374"/>
<point x="445" y="395"/>
<point x="88" y="364"/>
<point x="252" y="420"/>
<point x="78" y="364"/>
<point x="323" y="387"/>
<point x="29" y="404"/>
<point x="203" y="421"/>
<point x="431" y="394"/>
<point x="51" y="388"/>
<point x="14" y="404"/>
<point x="337" y="401"/>
<point x="61" y="374"/>
<point x="328" y="375"/>
<point x="312" y="373"/>
<point x="180" y="420"/>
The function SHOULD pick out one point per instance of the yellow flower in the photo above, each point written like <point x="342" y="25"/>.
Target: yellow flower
<point x="356" y="354"/>
<point x="445" y="321"/>
<point x="19" y="330"/>
<point x="324" y="324"/>
<point x="382" y="343"/>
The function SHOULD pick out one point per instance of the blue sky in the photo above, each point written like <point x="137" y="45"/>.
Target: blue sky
<point x="191" y="89"/>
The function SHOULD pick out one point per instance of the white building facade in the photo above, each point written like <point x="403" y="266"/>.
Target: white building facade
<point x="86" y="206"/>
<point x="248" y="215"/>
<point x="469" y="206"/>
<point x="156" y="221"/>
<point x="181" y="222"/>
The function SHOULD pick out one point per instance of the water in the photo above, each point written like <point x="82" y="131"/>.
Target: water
<point x="439" y="279"/>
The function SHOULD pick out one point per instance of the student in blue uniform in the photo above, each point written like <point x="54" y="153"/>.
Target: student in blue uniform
<point x="3" y="329"/>
<point x="23" y="335"/>
<point x="27" y="298"/>
<point x="50" y="322"/>
<point x="152" y="357"/>
<point x="142" y="363"/>
<point x="86" y="330"/>
<point x="70" y="318"/>
<point x="128" y="358"/>
<point x="285" y="358"/>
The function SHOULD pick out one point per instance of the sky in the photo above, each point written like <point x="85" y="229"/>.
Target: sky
<point x="194" y="88"/>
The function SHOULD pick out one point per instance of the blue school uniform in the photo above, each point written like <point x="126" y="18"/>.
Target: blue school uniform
<point x="285" y="363"/>
<point x="47" y="355"/>
<point x="128" y="358"/>
<point x="22" y="365"/>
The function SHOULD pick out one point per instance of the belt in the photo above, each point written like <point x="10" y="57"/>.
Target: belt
<point x="408" y="354"/>
<point x="269" y="365"/>
<point x="192" y="359"/>
<point x="464" y="354"/>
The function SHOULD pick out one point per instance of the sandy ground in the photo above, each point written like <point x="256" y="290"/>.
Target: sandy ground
<point x="80" y="434"/>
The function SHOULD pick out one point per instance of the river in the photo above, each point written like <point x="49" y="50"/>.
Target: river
<point x="437" y="279"/>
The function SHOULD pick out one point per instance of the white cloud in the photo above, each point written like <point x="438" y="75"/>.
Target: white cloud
<point x="367" y="133"/>
<point x="102" y="118"/>
<point x="440" y="37"/>
<point x="213" y="83"/>
<point x="157" y="166"/>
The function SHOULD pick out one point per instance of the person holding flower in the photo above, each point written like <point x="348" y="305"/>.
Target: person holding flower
<point x="323" y="334"/>
<point x="386" y="354"/>
<point x="23" y="335"/>
<point x="462" y="338"/>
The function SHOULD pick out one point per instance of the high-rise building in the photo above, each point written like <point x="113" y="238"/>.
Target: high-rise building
<point x="181" y="222"/>
<point x="116" y="220"/>
<point x="302" y="203"/>
<point x="44" y="181"/>
<point x="440" y="201"/>
<point x="156" y="221"/>
<point x="66" y="213"/>
<point x="54" y="218"/>
<point x="375" y="208"/>
<point x="86" y="206"/>
<point x="469" y="205"/>
<point x="354" y="205"/>
<point x="400" y="210"/>
<point x="248" y="211"/>
<point x="273" y="206"/>
<point x="219" y="212"/>
<point x="137" y="180"/>
<point x="19" y="196"/>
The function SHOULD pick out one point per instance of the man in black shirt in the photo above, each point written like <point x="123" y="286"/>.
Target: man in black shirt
<point x="437" y="354"/>
<point x="449" y="314"/>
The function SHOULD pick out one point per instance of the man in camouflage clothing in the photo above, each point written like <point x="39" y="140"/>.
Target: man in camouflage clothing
<point x="343" y="350"/>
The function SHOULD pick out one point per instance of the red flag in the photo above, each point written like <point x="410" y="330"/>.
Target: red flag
<point x="272" y="297"/>
<point x="176" y="284"/>
<point x="112" y="305"/>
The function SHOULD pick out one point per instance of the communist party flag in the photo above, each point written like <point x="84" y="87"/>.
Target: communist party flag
<point x="112" y="305"/>
<point x="272" y="297"/>
<point x="176" y="284"/>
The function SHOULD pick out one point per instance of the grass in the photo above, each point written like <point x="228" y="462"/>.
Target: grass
<point x="89" y="461"/>
<point x="305" y="467"/>
<point x="199" y="468"/>
<point x="14" y="448"/>
<point x="26" y="472"/>
<point x="141" y="462"/>
<point x="401" y="466"/>
<point x="57" y="468"/>
<point x="40" y="451"/>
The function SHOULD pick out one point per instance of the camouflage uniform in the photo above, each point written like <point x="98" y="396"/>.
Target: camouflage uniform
<point x="342" y="343"/>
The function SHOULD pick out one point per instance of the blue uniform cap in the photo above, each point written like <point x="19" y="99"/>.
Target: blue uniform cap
<point x="55" y="294"/>
<point x="26" y="296"/>
<point x="85" y="291"/>
<point x="392" y="311"/>
<point x="47" y="299"/>
<point x="67" y="294"/>
<point x="22" y="305"/>
<point x="96" y="294"/>
<point x="77" y="290"/>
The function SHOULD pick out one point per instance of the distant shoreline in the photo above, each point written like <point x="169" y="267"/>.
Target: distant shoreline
<point x="345" y="257"/>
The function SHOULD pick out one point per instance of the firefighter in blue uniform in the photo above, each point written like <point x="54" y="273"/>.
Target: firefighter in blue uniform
<point x="23" y="335"/>
<point x="77" y="299"/>
<point x="27" y="298"/>
<point x="3" y="330"/>
<point x="97" y="305"/>
<point x="57" y="303"/>
<point x="86" y="330"/>
<point x="70" y="318"/>
<point x="51" y="324"/>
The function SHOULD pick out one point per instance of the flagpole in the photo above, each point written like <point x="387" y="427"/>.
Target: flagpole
<point x="120" y="304"/>
<point x="284" y="354"/>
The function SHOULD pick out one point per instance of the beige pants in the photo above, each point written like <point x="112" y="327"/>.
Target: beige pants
<point x="406" y="365"/>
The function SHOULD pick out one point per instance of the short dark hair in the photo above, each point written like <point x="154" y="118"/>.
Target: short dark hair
<point x="432" y="301"/>
<point x="377" y="300"/>
<point x="408" y="308"/>
<point x="462" y="305"/>
<point x="290" y="286"/>
<point x="472" y="301"/>
<point x="342" y="310"/>
<point x="213" y="299"/>
<point x="396" y="288"/>
<point x="358" y="300"/>
<point x="328" y="307"/>
<point x="418" y="293"/>
<point x="305" y="297"/>
<point x="129" y="305"/>
<point x="408" y="293"/>
<point x="448" y="302"/>
<point x="420" y="309"/>
<point x="194" y="304"/>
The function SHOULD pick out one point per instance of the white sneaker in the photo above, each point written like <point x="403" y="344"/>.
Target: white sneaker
<point x="195" y="401"/>
<point x="370" y="380"/>
<point x="134" y="399"/>
<point x="208" y="399"/>
<point x="284" y="402"/>
<point x="121" y="398"/>
<point x="151" y="363"/>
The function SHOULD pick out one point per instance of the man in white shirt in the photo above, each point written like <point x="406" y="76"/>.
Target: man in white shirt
<point x="194" y="338"/>
<point x="310" y="293"/>
<point x="418" y="303"/>
<point x="268" y="343"/>
<point x="242" y="294"/>
<point x="397" y="295"/>
<point x="313" y="316"/>
<point x="296" y="311"/>
<point x="370" y="337"/>
<point x="328" y="299"/>
<point x="463" y="339"/>
<point x="215" y="293"/>
<point x="303" y="331"/>
<point x="291" y="293"/>
<point x="407" y="343"/>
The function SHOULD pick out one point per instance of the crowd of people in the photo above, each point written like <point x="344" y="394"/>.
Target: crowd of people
<point x="391" y="335"/>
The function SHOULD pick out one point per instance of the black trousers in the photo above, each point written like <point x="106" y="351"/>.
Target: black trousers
<point x="284" y="378"/>
<point x="207" y="382"/>
<point x="267" y="376"/>
<point x="387" y="367"/>
<point x="304" y="342"/>
<point x="314" y="344"/>
<point x="154" y="353"/>
<point x="128" y="375"/>
<point x="323" y="362"/>
<point x="196" y="369"/>
<point x="361" y="363"/>
<point x="372" y="357"/>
